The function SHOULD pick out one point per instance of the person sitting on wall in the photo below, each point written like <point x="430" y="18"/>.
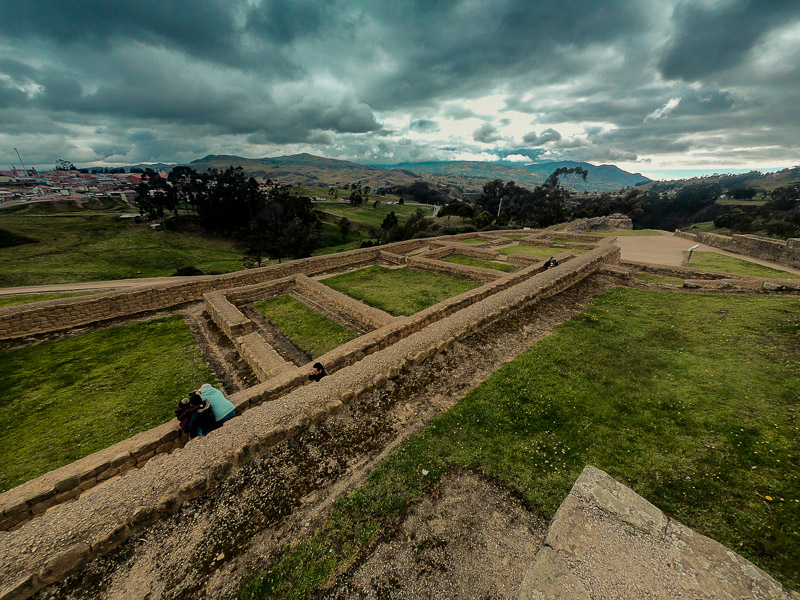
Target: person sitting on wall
<point x="223" y="409"/>
<point x="552" y="262"/>
<point x="194" y="416"/>
<point x="317" y="372"/>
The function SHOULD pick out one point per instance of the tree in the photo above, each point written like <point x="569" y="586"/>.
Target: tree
<point x="357" y="194"/>
<point x="152" y="195"/>
<point x="332" y="192"/>
<point x="230" y="201"/>
<point x="375" y="204"/>
<point x="285" y="227"/>
<point x="344" y="227"/>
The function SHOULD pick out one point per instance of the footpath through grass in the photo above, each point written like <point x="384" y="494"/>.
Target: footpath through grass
<point x="65" y="399"/>
<point x="691" y="400"/>
<point x="313" y="333"/>
<point x="398" y="291"/>
<point x="28" y="298"/>
<point x="76" y="245"/>
<point x="711" y="261"/>
<point x="477" y="262"/>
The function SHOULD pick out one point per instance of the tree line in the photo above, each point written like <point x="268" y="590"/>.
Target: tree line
<point x="270" y="221"/>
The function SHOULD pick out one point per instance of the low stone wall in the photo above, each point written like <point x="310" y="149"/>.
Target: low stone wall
<point x="684" y="235"/>
<point x="227" y="317"/>
<point x="369" y="316"/>
<point x="73" y="534"/>
<point x="66" y="313"/>
<point x="606" y="541"/>
<point x="614" y="221"/>
<point x="784" y="253"/>
<point x="682" y="272"/>
<point x="454" y="269"/>
<point x="745" y="284"/>
<point x="262" y="358"/>
<point x="447" y="249"/>
<point x="527" y="259"/>
<point x="260" y="291"/>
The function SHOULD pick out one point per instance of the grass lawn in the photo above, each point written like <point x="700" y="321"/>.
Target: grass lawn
<point x="331" y="239"/>
<point x="370" y="216"/>
<point x="310" y="331"/>
<point x="475" y="240"/>
<point x="398" y="291"/>
<point x="27" y="299"/>
<point x="515" y="237"/>
<point x="76" y="245"/>
<point x="537" y="250"/>
<point x="477" y="262"/>
<point x="660" y="279"/>
<point x="691" y="400"/>
<point x="712" y="261"/>
<point x="68" y="398"/>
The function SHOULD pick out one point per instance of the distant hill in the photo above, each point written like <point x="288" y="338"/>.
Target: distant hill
<point x="600" y="178"/>
<point x="305" y="169"/>
<point x="753" y="179"/>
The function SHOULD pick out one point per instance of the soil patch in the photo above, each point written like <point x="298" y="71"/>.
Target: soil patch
<point x="469" y="539"/>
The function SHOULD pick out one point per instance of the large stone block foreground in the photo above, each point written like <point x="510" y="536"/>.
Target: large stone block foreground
<point x="606" y="541"/>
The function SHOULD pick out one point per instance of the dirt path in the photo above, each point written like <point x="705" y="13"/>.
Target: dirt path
<point x="667" y="249"/>
<point x="94" y="286"/>
<point x="240" y="527"/>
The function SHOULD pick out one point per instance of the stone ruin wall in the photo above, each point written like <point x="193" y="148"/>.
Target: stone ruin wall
<point x="68" y="482"/>
<point x="777" y="251"/>
<point x="97" y="522"/>
<point x="610" y="222"/>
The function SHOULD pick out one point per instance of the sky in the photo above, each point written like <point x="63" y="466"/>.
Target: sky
<point x="659" y="87"/>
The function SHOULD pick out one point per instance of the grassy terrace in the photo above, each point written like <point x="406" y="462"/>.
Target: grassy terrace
<point x="66" y="399"/>
<point x="28" y="298"/>
<point x="370" y="216"/>
<point x="542" y="251"/>
<point x="91" y="245"/>
<point x="310" y="331"/>
<point x="712" y="261"/>
<point x="398" y="291"/>
<point x="477" y="262"/>
<point x="475" y="240"/>
<point x="691" y="400"/>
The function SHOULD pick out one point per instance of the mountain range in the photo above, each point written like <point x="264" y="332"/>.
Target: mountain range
<point x="306" y="169"/>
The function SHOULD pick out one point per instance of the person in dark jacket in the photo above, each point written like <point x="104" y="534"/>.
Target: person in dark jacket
<point x="317" y="372"/>
<point x="195" y="416"/>
<point x="552" y="262"/>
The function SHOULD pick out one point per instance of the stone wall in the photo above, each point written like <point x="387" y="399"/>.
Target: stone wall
<point x="66" y="313"/>
<point x="447" y="249"/>
<point x="372" y="317"/>
<point x="73" y="534"/>
<point x="610" y="222"/>
<point x="453" y="269"/>
<point x="262" y="358"/>
<point x="777" y="251"/>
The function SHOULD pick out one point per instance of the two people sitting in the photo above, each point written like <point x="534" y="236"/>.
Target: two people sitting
<point x="551" y="262"/>
<point x="204" y="410"/>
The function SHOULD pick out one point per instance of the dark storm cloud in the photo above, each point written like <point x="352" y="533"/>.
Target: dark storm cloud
<point x="712" y="38"/>
<point x="548" y="135"/>
<point x="486" y="133"/>
<point x="156" y="80"/>
<point x="424" y="126"/>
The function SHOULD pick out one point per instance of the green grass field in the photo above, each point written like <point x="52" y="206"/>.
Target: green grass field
<point x="65" y="399"/>
<point x="475" y="240"/>
<point x="27" y="299"/>
<point x="537" y="250"/>
<point x="477" y="262"/>
<point x="691" y="400"/>
<point x="370" y="216"/>
<point x="310" y="331"/>
<point x="712" y="261"/>
<point x="90" y="245"/>
<point x="398" y="291"/>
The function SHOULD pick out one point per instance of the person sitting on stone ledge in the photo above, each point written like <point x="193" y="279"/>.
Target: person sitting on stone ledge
<point x="223" y="409"/>
<point x="194" y="416"/>
<point x="552" y="262"/>
<point x="317" y="372"/>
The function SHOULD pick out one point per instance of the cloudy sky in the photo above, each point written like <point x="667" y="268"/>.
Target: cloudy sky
<point x="654" y="86"/>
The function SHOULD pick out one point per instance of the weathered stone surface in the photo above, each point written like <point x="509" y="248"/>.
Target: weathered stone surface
<point x="615" y="544"/>
<point x="550" y="579"/>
